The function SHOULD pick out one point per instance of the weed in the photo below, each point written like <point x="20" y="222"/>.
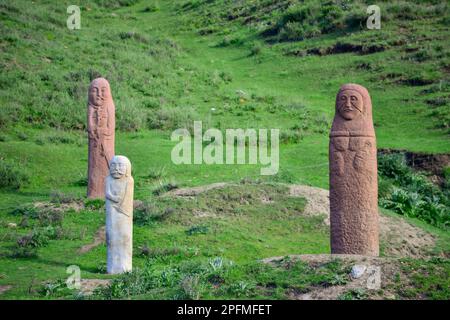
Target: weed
<point x="11" y="176"/>
<point x="197" y="230"/>
<point x="354" y="294"/>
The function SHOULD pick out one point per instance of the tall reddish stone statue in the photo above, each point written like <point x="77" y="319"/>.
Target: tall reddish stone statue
<point x="353" y="174"/>
<point x="101" y="127"/>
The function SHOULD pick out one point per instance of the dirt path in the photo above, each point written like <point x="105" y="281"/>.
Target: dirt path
<point x="99" y="238"/>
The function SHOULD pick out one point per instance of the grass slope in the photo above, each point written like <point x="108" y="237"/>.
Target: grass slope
<point x="167" y="69"/>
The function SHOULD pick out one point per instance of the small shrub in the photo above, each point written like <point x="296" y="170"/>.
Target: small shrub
<point x="163" y="186"/>
<point x="26" y="210"/>
<point x="12" y="177"/>
<point x="158" y="252"/>
<point x="191" y="287"/>
<point x="50" y="217"/>
<point x="156" y="173"/>
<point x="255" y="50"/>
<point x="94" y="204"/>
<point x="114" y="4"/>
<point x="22" y="136"/>
<point x="411" y="194"/>
<point x="354" y="294"/>
<point x="39" y="237"/>
<point x="392" y="166"/>
<point x="242" y="289"/>
<point x="101" y="268"/>
<point x="197" y="230"/>
<point x="59" y="197"/>
<point x="147" y="213"/>
<point x="23" y="252"/>
<point x="151" y="8"/>
<point x="53" y="288"/>
<point x="290" y="136"/>
<point x="82" y="182"/>
<point x="228" y="41"/>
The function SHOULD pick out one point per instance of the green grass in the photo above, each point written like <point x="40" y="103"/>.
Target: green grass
<point x="235" y="224"/>
<point x="167" y="68"/>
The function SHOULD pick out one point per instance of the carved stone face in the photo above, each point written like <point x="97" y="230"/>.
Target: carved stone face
<point x="99" y="92"/>
<point x="349" y="104"/>
<point x="118" y="168"/>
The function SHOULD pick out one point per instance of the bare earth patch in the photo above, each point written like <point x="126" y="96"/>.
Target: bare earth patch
<point x="62" y="207"/>
<point x="99" y="238"/>
<point x="3" y="289"/>
<point x="89" y="285"/>
<point x="318" y="201"/>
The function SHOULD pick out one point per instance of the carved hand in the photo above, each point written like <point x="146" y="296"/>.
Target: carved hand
<point x="113" y="197"/>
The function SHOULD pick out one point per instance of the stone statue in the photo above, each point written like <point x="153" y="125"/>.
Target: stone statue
<point x="119" y="188"/>
<point x="353" y="174"/>
<point x="101" y="126"/>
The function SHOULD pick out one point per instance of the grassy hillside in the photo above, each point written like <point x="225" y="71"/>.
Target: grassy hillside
<point x="231" y="64"/>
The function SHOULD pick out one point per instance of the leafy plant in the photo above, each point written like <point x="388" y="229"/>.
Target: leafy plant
<point x="197" y="230"/>
<point x="12" y="177"/>
<point x="410" y="193"/>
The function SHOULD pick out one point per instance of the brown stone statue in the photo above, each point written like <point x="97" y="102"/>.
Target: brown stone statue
<point x="101" y="126"/>
<point x="353" y="174"/>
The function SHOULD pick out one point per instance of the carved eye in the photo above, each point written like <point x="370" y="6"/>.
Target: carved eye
<point x="354" y="98"/>
<point x="343" y="97"/>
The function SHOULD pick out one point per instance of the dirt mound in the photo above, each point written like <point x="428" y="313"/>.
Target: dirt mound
<point x="376" y="271"/>
<point x="398" y="238"/>
<point x="402" y="239"/>
<point x="60" y="207"/>
<point x="89" y="285"/>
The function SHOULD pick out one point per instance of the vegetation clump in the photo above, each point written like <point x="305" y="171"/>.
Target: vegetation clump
<point x="410" y="193"/>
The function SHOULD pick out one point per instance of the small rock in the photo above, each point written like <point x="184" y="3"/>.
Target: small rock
<point x="357" y="271"/>
<point x="12" y="225"/>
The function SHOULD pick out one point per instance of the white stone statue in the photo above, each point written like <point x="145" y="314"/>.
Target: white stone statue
<point x="119" y="188"/>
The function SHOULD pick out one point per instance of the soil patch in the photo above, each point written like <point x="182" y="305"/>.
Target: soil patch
<point x="99" y="238"/>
